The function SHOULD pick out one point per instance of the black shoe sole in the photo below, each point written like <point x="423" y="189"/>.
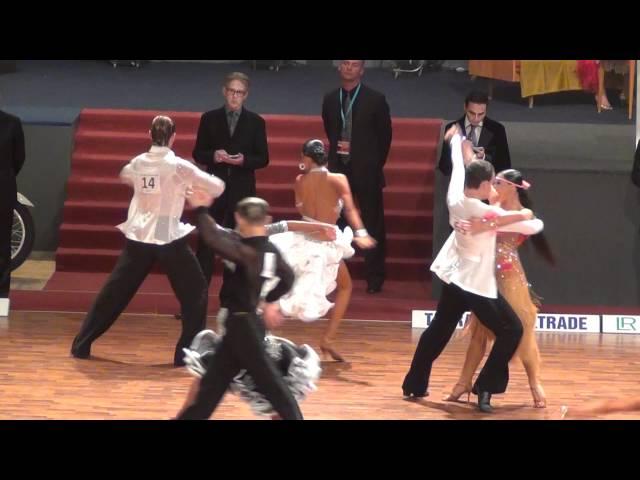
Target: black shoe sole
<point x="408" y="394"/>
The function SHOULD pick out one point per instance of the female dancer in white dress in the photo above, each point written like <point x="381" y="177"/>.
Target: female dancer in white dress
<point x="319" y="266"/>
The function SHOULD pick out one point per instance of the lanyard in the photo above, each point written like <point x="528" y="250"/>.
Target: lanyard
<point x="353" y="99"/>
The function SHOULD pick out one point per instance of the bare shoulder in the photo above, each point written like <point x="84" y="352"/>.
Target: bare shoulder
<point x="337" y="178"/>
<point x="339" y="182"/>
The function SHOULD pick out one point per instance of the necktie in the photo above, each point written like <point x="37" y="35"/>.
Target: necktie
<point x="346" y="127"/>
<point x="233" y="120"/>
<point x="472" y="135"/>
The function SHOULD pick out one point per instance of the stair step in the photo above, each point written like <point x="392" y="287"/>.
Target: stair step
<point x="127" y="145"/>
<point x="108" y="237"/>
<point x="279" y="125"/>
<point x="103" y="260"/>
<point x="279" y="170"/>
<point x="112" y="213"/>
<point x="277" y="194"/>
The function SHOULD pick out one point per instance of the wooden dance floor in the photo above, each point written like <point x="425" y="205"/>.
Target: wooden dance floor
<point x="130" y="375"/>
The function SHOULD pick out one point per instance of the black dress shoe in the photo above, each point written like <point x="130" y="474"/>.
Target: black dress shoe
<point x="408" y="394"/>
<point x="484" y="402"/>
<point x="374" y="287"/>
<point x="77" y="353"/>
<point x="409" y="389"/>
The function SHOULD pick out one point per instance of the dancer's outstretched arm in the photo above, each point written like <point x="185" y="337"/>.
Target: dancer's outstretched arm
<point x="362" y="237"/>
<point x="316" y="230"/>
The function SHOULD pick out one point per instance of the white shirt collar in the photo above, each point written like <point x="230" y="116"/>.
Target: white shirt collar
<point x="467" y="123"/>
<point x="159" y="149"/>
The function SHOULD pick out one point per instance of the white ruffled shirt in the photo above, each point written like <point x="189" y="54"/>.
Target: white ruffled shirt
<point x="160" y="180"/>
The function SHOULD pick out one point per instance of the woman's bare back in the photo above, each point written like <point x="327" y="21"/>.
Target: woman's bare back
<point x="318" y="196"/>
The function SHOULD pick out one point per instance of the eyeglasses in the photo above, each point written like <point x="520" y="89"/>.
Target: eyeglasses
<point x="235" y="93"/>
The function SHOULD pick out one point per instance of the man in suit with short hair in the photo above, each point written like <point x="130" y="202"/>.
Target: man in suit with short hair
<point x="357" y="122"/>
<point x="488" y="136"/>
<point x="232" y="144"/>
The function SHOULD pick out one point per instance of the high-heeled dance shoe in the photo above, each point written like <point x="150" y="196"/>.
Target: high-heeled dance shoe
<point x="459" y="389"/>
<point x="539" y="399"/>
<point x="606" y="107"/>
<point x="563" y="412"/>
<point x="327" y="349"/>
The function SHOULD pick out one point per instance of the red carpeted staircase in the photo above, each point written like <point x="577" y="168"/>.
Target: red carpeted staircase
<point x="96" y="201"/>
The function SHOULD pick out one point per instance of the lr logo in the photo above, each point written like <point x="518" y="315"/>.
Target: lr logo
<point x="626" y="324"/>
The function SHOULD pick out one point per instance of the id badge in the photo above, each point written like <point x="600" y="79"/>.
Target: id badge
<point x="344" y="147"/>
